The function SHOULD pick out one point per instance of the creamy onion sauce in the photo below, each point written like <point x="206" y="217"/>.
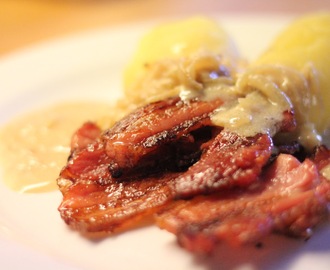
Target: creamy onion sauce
<point x="255" y="97"/>
<point x="254" y="100"/>
<point x="35" y="146"/>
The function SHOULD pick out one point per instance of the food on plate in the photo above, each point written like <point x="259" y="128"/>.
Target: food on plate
<point x="216" y="150"/>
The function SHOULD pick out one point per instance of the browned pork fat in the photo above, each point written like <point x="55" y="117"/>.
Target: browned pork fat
<point x="152" y="126"/>
<point x="96" y="201"/>
<point x="230" y="161"/>
<point x="90" y="207"/>
<point x="167" y="151"/>
<point x="292" y="199"/>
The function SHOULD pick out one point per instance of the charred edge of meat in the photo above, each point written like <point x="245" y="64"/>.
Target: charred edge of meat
<point x="176" y="156"/>
<point x="293" y="148"/>
<point x="230" y="160"/>
<point x="175" y="153"/>
<point x="145" y="131"/>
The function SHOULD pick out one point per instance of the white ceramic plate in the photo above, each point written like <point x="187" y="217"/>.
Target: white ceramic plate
<point x="89" y="66"/>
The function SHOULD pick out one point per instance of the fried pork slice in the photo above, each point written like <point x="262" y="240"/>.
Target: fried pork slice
<point x="95" y="201"/>
<point x="157" y="124"/>
<point x="291" y="199"/>
<point x="90" y="207"/>
<point x="229" y="161"/>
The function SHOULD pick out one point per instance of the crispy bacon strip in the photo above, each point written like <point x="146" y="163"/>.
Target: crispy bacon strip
<point x="144" y="131"/>
<point x="93" y="201"/>
<point x="291" y="199"/>
<point x="230" y="161"/>
<point x="88" y="206"/>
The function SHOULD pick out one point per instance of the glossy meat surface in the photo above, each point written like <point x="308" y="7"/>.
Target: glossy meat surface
<point x="292" y="198"/>
<point x="90" y="207"/>
<point x="202" y="183"/>
<point x="96" y="201"/>
<point x="229" y="161"/>
<point x="143" y="132"/>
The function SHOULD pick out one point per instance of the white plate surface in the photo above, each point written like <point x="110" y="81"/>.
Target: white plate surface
<point x="89" y="66"/>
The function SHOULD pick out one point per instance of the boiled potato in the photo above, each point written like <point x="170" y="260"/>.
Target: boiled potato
<point x="306" y="44"/>
<point x="178" y="39"/>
